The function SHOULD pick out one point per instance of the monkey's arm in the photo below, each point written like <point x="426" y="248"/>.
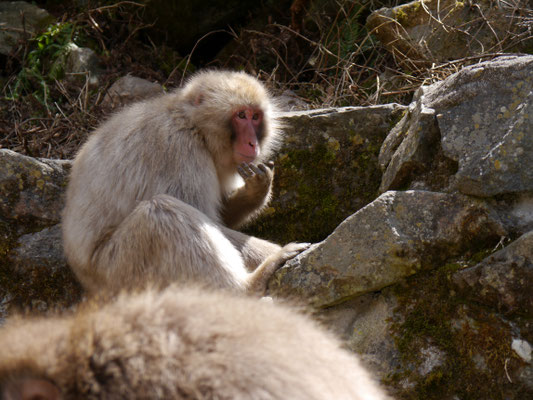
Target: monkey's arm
<point x="249" y="199"/>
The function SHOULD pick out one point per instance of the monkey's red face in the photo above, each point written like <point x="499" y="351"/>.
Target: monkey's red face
<point x="247" y="125"/>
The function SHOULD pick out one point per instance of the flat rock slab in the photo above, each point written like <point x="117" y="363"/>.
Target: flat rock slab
<point x="395" y="236"/>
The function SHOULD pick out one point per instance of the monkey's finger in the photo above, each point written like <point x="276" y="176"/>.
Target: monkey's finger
<point x="256" y="169"/>
<point x="247" y="167"/>
<point x="244" y="171"/>
<point x="251" y="169"/>
<point x="265" y="170"/>
<point x="270" y="164"/>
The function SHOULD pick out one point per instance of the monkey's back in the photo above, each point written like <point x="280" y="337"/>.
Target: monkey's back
<point x="130" y="158"/>
<point x="184" y="344"/>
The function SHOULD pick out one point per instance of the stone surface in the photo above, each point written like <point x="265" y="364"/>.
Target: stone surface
<point x="326" y="169"/>
<point x="33" y="271"/>
<point x="442" y="30"/>
<point x="289" y="101"/>
<point x="484" y="115"/>
<point x="364" y="324"/>
<point x="409" y="147"/>
<point x="129" y="89"/>
<point x="485" y="120"/>
<point x="82" y="62"/>
<point x="19" y="19"/>
<point x="504" y="279"/>
<point x="395" y="236"/>
<point x="425" y="340"/>
<point x="31" y="190"/>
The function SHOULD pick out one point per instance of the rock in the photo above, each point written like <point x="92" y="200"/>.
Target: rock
<point x="442" y="30"/>
<point x="484" y="114"/>
<point x="130" y="89"/>
<point x="18" y="20"/>
<point x="485" y="120"/>
<point x="522" y="348"/>
<point x="33" y="271"/>
<point x="39" y="248"/>
<point x="327" y="168"/>
<point x="36" y="273"/>
<point x="82" y="62"/>
<point x="502" y="280"/>
<point x="397" y="235"/>
<point x="426" y="340"/>
<point x="31" y="190"/>
<point x="364" y="324"/>
<point x="289" y="101"/>
<point x="519" y="211"/>
<point x="410" y="146"/>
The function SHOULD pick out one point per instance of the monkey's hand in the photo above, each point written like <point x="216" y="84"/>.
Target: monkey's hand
<point x="252" y="197"/>
<point x="257" y="179"/>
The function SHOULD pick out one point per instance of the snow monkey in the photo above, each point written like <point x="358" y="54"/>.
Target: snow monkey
<point x="178" y="343"/>
<point x="156" y="192"/>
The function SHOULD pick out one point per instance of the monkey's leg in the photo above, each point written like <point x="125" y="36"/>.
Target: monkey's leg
<point x="165" y="240"/>
<point x="253" y="250"/>
<point x="257" y="280"/>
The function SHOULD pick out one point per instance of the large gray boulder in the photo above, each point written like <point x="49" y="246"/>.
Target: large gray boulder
<point x="503" y="280"/>
<point x="470" y="134"/>
<point x="395" y="236"/>
<point x="463" y="330"/>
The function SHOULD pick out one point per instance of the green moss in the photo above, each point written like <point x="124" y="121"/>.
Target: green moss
<point x="317" y="188"/>
<point x="406" y="13"/>
<point x="400" y="16"/>
<point x="475" y="341"/>
<point x="30" y="287"/>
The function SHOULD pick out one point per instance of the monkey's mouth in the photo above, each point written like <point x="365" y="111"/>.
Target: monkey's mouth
<point x="240" y="158"/>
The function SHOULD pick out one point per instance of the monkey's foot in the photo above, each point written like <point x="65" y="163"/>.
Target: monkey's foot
<point x="291" y="250"/>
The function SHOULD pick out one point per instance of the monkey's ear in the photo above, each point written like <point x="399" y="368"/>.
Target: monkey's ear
<point x="198" y="99"/>
<point x="30" y="389"/>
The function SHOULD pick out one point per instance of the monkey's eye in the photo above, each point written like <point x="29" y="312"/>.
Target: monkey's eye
<point x="255" y="117"/>
<point x="242" y="115"/>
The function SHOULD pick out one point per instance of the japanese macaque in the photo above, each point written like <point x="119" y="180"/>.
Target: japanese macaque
<point x="156" y="192"/>
<point x="178" y="344"/>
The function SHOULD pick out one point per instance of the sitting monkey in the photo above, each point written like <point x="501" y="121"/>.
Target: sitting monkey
<point x="156" y="192"/>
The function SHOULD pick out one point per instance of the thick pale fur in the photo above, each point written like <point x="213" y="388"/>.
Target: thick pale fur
<point x="148" y="191"/>
<point x="180" y="344"/>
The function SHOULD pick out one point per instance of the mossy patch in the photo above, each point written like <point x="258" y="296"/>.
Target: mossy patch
<point x="30" y="288"/>
<point x="37" y="289"/>
<point x="316" y="189"/>
<point x="478" y="361"/>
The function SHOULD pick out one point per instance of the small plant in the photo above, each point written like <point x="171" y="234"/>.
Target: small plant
<point x="44" y="62"/>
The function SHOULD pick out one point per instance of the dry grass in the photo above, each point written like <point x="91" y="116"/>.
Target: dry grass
<point x="324" y="54"/>
<point x="339" y="61"/>
<point x="51" y="117"/>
